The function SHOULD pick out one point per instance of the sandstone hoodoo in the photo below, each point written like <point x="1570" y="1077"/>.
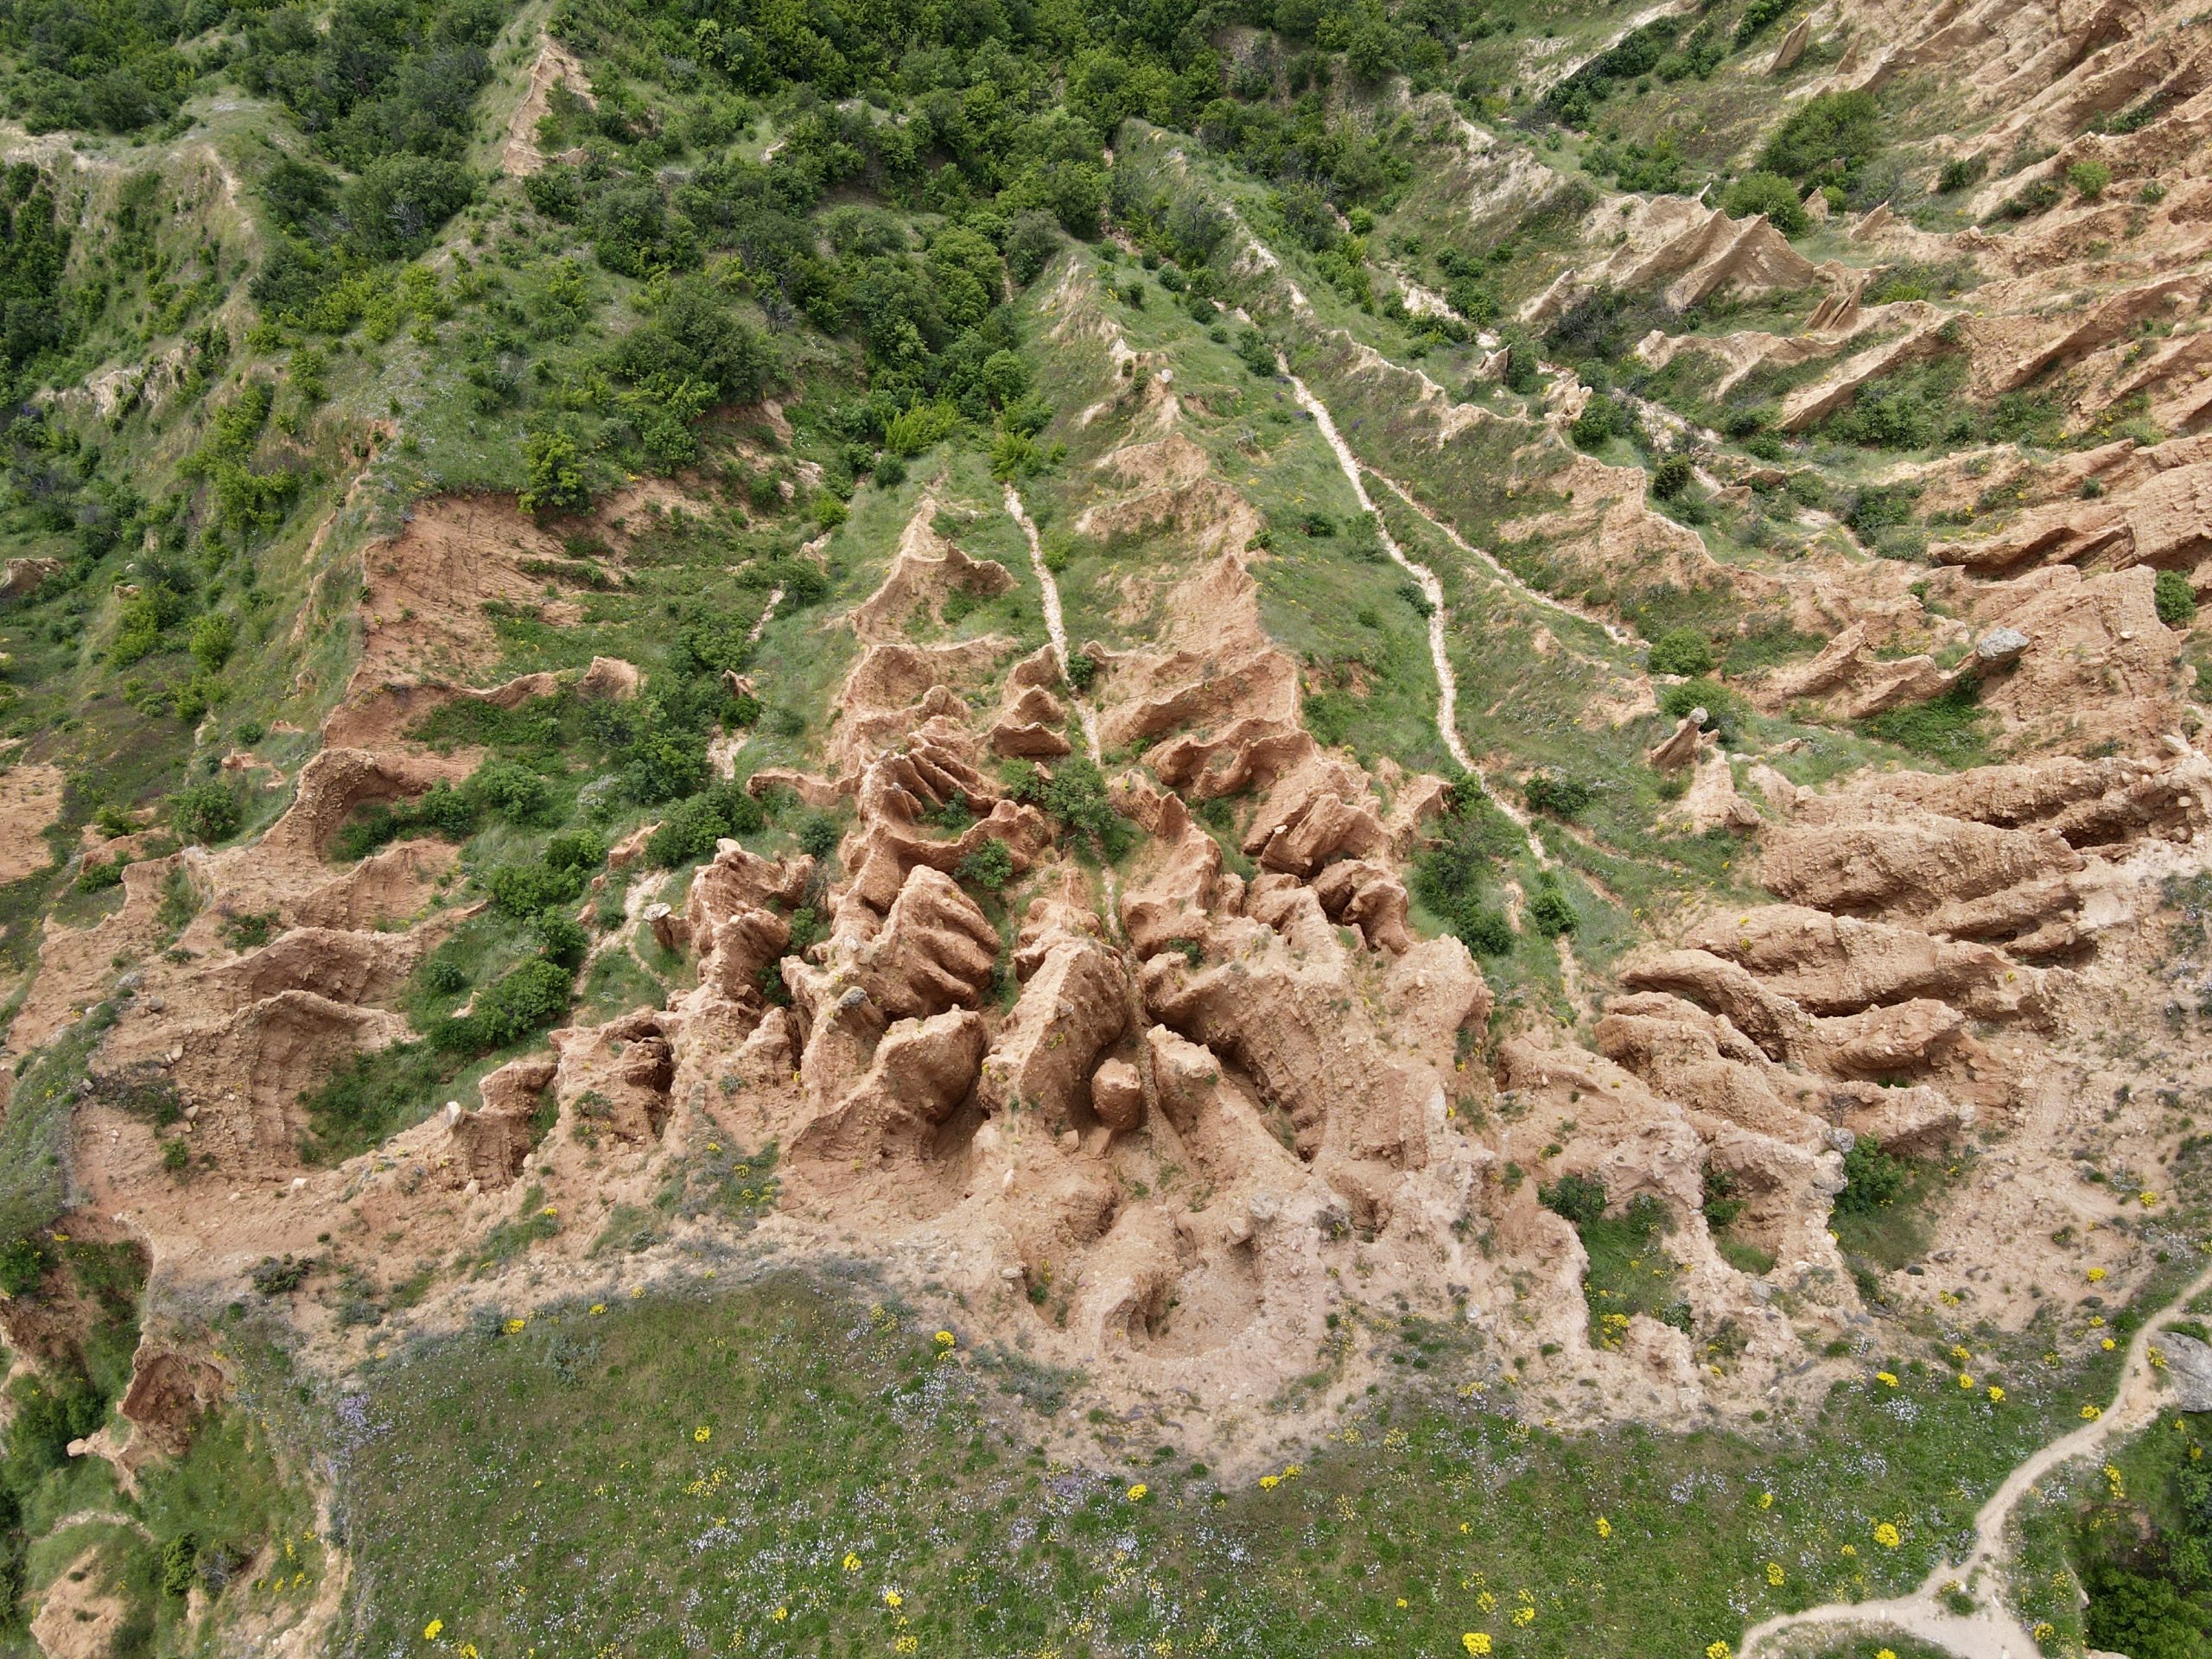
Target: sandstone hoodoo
<point x="1408" y="803"/>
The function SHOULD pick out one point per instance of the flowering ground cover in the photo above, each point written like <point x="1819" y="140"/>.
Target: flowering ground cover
<point x="787" y="1467"/>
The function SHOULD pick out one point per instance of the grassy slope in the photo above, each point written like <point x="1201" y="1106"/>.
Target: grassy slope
<point x="846" y="1459"/>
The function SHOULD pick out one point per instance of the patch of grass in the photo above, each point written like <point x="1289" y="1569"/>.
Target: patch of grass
<point x="834" y="1429"/>
<point x="1952" y="728"/>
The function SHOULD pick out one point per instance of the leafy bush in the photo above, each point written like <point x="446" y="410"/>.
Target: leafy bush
<point x="1451" y="876"/>
<point x="561" y="938"/>
<point x="98" y="878"/>
<point x="1562" y="798"/>
<point x="206" y="812"/>
<point x="1672" y="477"/>
<point x="1833" y="135"/>
<point x="1960" y="172"/>
<point x="2175" y="598"/>
<point x="1681" y="651"/>
<point x="990" y="866"/>
<point x="1075" y="793"/>
<point x="910" y="432"/>
<point x="690" y="832"/>
<point x="553" y="473"/>
<point x="1579" y="1199"/>
<point x="1601" y="419"/>
<point x="2090" y="179"/>
<point x="23" y="1264"/>
<point x="1771" y="194"/>
<point x="819" y="834"/>
<point x="1552" y="914"/>
<point x="527" y="999"/>
<point x="1872" y="1179"/>
<point x="522" y="890"/>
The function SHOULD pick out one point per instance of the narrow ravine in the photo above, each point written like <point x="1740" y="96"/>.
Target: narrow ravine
<point x="1055" y="620"/>
<point x="1990" y="1631"/>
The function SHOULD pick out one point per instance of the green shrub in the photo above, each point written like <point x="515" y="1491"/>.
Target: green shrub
<point x="522" y="890"/>
<point x="1771" y="194"/>
<point x="1579" y="1199"/>
<point x="1681" y="651"/>
<point x="180" y="1562"/>
<point x="990" y="866"/>
<point x="1075" y="792"/>
<point x="2090" y="179"/>
<point x="2175" y="599"/>
<point x="819" y="834"/>
<point x="1960" y="172"/>
<point x="206" y="812"/>
<point x="1836" y="133"/>
<point x="1601" y="419"/>
<point x="690" y="832"/>
<point x="97" y="878"/>
<point x="1562" y="798"/>
<point x="553" y="471"/>
<point x="1872" y="1179"/>
<point x="1551" y="913"/>
<point x="213" y="636"/>
<point x="527" y="999"/>
<point x="1672" y="477"/>
<point x="23" y="1264"/>
<point x="561" y="938"/>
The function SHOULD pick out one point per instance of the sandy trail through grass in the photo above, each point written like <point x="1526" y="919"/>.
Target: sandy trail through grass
<point x="1989" y="1631"/>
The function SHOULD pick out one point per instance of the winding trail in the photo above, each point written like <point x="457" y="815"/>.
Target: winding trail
<point x="1990" y="1631"/>
<point x="1497" y="568"/>
<point x="1448" y="683"/>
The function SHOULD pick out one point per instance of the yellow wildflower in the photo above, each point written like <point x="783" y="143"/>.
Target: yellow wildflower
<point x="945" y="1338"/>
<point x="2090" y="1414"/>
<point x="1774" y="1573"/>
<point x="2108" y="1344"/>
<point x="1766" y="1500"/>
<point x="2096" y="1275"/>
<point x="1268" y="1482"/>
<point x="1716" y="1651"/>
<point x="781" y="1614"/>
<point x="433" y="1630"/>
<point x="1887" y="1379"/>
<point x="513" y="1327"/>
<point x="1886" y="1534"/>
<point x="1996" y="1395"/>
<point x="1475" y="1642"/>
<point x="1886" y="1653"/>
<point x="597" y="1308"/>
<point x="893" y="1599"/>
<point x="1604" y="1528"/>
<point x="702" y="1434"/>
<point x="1965" y="1381"/>
<point x="852" y="1563"/>
<point x="1137" y="1493"/>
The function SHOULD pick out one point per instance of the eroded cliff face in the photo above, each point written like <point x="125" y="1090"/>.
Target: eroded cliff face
<point x="1184" y="1116"/>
